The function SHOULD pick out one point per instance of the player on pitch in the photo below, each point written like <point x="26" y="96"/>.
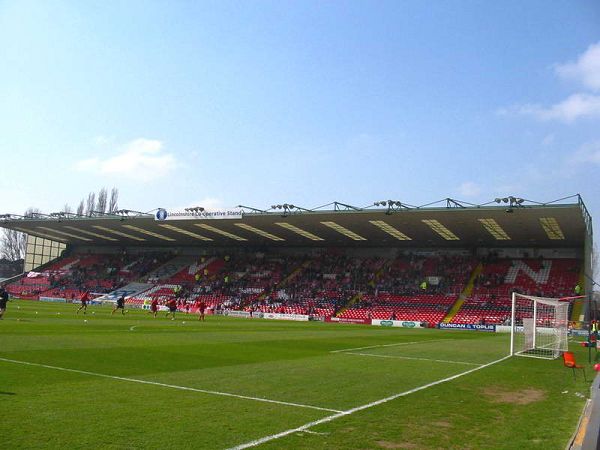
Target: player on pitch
<point x="153" y="307"/>
<point x="85" y="298"/>
<point x="201" y="307"/>
<point x="120" y="305"/>
<point x="3" y="300"/>
<point x="172" y="305"/>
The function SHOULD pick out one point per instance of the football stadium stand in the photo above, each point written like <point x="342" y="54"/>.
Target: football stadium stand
<point x="409" y="287"/>
<point x="455" y="264"/>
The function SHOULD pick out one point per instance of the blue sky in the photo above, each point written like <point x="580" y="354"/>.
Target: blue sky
<point x="256" y="102"/>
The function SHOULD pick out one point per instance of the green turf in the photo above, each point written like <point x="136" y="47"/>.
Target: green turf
<point x="517" y="403"/>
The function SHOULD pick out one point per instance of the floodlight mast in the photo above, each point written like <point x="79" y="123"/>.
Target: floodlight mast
<point x="103" y="213"/>
<point x="336" y="207"/>
<point x="253" y="210"/>
<point x="65" y="214"/>
<point x="126" y="213"/>
<point x="36" y="215"/>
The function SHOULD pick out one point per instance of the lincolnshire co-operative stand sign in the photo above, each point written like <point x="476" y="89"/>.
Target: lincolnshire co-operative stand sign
<point x="162" y="214"/>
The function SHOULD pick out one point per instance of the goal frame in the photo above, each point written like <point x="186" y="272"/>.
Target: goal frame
<point x="530" y="338"/>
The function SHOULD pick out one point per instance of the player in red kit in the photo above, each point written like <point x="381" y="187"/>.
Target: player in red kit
<point x="85" y="298"/>
<point x="201" y="307"/>
<point x="153" y="307"/>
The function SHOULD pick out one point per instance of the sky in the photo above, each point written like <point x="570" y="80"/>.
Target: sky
<point x="223" y="103"/>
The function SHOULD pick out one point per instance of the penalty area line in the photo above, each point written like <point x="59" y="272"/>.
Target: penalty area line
<point x="389" y="345"/>
<point x="172" y="386"/>
<point x="413" y="358"/>
<point x="327" y="419"/>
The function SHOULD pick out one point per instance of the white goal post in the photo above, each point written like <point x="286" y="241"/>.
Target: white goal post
<point x="539" y="326"/>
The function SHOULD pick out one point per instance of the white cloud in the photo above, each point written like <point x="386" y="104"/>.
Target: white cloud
<point x="140" y="160"/>
<point x="469" y="189"/>
<point x="548" y="140"/>
<point x="585" y="70"/>
<point x="572" y="108"/>
<point x="102" y="141"/>
<point x="208" y="203"/>
<point x="587" y="153"/>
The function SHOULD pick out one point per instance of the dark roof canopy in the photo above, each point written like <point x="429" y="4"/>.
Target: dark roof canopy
<point x="564" y="225"/>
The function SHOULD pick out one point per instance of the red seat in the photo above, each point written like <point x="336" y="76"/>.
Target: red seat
<point x="569" y="361"/>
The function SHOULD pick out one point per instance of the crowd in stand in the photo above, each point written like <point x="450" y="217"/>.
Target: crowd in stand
<point x="325" y="283"/>
<point x="72" y="276"/>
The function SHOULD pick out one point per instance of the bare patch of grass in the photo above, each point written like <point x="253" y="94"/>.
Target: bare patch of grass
<point x="521" y="397"/>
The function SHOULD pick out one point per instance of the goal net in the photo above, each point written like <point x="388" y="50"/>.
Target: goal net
<point x="538" y="326"/>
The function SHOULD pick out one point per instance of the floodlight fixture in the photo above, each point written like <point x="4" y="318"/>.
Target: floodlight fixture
<point x="127" y="212"/>
<point x="392" y="205"/>
<point x="511" y="200"/>
<point x="288" y="208"/>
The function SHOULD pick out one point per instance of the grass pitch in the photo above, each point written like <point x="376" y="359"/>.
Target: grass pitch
<point x="137" y="382"/>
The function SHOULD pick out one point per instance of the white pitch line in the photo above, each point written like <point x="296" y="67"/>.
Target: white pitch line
<point x="411" y="357"/>
<point x="314" y="432"/>
<point x="172" y="386"/>
<point x="306" y="426"/>
<point x="389" y="345"/>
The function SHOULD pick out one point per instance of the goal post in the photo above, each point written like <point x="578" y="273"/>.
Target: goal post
<point x="539" y="326"/>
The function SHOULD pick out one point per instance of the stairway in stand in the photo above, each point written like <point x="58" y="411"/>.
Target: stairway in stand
<point x="465" y="294"/>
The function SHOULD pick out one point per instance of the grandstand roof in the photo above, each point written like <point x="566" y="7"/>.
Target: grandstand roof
<point x="551" y="225"/>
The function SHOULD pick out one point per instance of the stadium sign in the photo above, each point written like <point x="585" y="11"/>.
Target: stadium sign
<point x="396" y="323"/>
<point x="235" y="313"/>
<point x="277" y="316"/>
<point x="52" y="299"/>
<point x="162" y="214"/>
<point x="579" y="333"/>
<point x="467" y="326"/>
<point x="348" y="320"/>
